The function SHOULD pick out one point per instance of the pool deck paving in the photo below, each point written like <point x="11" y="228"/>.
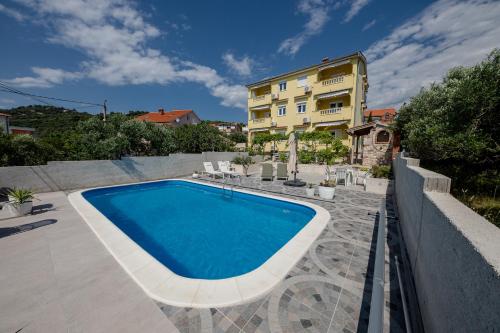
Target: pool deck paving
<point x="56" y="276"/>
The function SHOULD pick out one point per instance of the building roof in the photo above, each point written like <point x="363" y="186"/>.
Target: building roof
<point x="380" y="112"/>
<point x="4" y="114"/>
<point x="364" y="129"/>
<point x="326" y="63"/>
<point x="163" y="117"/>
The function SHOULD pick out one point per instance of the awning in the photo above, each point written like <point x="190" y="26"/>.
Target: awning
<point x="333" y="94"/>
<point x="259" y="130"/>
<point x="261" y="107"/>
<point x="333" y="65"/>
<point x="332" y="123"/>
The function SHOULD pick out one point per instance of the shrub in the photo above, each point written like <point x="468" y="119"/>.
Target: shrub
<point x="381" y="171"/>
<point x="282" y="157"/>
<point x="244" y="161"/>
<point x="306" y="157"/>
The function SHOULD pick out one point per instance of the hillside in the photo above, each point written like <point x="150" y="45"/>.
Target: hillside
<point x="45" y="119"/>
<point x="48" y="119"/>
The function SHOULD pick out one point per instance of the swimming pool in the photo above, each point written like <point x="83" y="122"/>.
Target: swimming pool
<point x="184" y="232"/>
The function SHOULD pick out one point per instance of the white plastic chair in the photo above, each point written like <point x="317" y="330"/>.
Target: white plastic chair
<point x="341" y="174"/>
<point x="209" y="169"/>
<point x="224" y="167"/>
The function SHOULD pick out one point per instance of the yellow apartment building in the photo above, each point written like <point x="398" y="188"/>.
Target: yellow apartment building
<point x="330" y="96"/>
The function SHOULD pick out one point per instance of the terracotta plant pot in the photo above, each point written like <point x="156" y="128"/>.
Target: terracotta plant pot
<point x="326" y="192"/>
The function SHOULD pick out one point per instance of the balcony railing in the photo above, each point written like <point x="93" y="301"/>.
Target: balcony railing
<point x="329" y="111"/>
<point x="335" y="80"/>
<point x="260" y="97"/>
<point x="259" y="100"/>
<point x="259" y="120"/>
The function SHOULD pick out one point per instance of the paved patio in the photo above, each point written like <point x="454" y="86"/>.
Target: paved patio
<point x="56" y="276"/>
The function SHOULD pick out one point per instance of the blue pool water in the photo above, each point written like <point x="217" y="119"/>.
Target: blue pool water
<point x="198" y="231"/>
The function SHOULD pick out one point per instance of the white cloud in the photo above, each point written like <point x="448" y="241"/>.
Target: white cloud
<point x="448" y="33"/>
<point x="369" y="25"/>
<point x="11" y="12"/>
<point x="114" y="35"/>
<point x="44" y="78"/>
<point x="356" y="6"/>
<point x="242" y="67"/>
<point x="317" y="10"/>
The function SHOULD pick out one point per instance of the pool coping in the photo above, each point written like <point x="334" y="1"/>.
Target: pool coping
<point x="163" y="285"/>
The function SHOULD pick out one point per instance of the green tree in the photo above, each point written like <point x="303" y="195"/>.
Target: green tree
<point x="237" y="137"/>
<point x="454" y="128"/>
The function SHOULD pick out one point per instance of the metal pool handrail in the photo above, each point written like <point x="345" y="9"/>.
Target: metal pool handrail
<point x="376" y="319"/>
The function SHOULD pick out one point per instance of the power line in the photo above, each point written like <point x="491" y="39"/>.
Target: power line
<point x="8" y="89"/>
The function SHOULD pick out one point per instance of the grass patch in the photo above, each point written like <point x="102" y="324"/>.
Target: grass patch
<point x="488" y="207"/>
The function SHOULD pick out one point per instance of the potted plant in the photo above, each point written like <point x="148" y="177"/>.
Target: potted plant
<point x="21" y="201"/>
<point x="310" y="189"/>
<point x="245" y="162"/>
<point x="196" y="174"/>
<point x="326" y="189"/>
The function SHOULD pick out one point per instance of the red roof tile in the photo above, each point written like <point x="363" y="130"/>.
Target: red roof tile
<point x="166" y="117"/>
<point x="380" y="112"/>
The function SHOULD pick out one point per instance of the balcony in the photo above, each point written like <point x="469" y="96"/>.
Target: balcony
<point x="332" y="114"/>
<point x="259" y="122"/>
<point x="259" y="100"/>
<point x="334" y="84"/>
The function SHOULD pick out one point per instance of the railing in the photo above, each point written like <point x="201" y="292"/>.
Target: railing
<point x="260" y="97"/>
<point x="329" y="111"/>
<point x="335" y="80"/>
<point x="259" y="120"/>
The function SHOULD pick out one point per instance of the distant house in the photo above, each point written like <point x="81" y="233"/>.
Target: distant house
<point x="227" y="127"/>
<point x="382" y="115"/>
<point x="172" y="118"/>
<point x="19" y="130"/>
<point x="5" y="127"/>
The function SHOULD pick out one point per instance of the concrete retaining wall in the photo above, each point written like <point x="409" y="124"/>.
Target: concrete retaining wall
<point x="68" y="175"/>
<point x="454" y="253"/>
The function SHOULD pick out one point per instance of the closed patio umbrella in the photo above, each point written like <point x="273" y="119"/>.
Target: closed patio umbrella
<point x="292" y="161"/>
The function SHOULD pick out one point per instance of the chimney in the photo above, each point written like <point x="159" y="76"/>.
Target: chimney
<point x="161" y="111"/>
<point x="325" y="59"/>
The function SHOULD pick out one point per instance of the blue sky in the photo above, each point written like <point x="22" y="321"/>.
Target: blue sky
<point x="200" y="54"/>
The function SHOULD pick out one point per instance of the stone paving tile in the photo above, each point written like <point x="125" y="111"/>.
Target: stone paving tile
<point x="241" y="314"/>
<point x="328" y="290"/>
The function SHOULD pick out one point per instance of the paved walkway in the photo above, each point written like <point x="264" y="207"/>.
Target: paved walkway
<point x="56" y="276"/>
<point x="329" y="290"/>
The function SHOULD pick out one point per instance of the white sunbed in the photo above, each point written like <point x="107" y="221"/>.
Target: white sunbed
<point x="224" y="167"/>
<point x="209" y="169"/>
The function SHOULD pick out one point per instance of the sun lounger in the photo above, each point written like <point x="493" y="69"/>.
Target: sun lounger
<point x="282" y="171"/>
<point x="209" y="169"/>
<point x="267" y="171"/>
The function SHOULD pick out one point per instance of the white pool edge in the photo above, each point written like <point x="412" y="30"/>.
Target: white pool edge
<point x="165" y="286"/>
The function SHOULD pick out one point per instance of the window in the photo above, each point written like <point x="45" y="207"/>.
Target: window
<point x="302" y="81"/>
<point x="282" y="85"/>
<point x="301" y="107"/>
<point x="281" y="110"/>
<point x="383" y="137"/>
<point x="335" y="105"/>
<point x="337" y="133"/>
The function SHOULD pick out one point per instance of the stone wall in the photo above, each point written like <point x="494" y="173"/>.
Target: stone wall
<point x="454" y="253"/>
<point x="375" y="153"/>
<point x="68" y="175"/>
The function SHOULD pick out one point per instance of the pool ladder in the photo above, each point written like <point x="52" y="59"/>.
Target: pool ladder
<point x="231" y="187"/>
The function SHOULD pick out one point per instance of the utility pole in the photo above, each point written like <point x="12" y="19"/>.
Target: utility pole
<point x="104" y="110"/>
